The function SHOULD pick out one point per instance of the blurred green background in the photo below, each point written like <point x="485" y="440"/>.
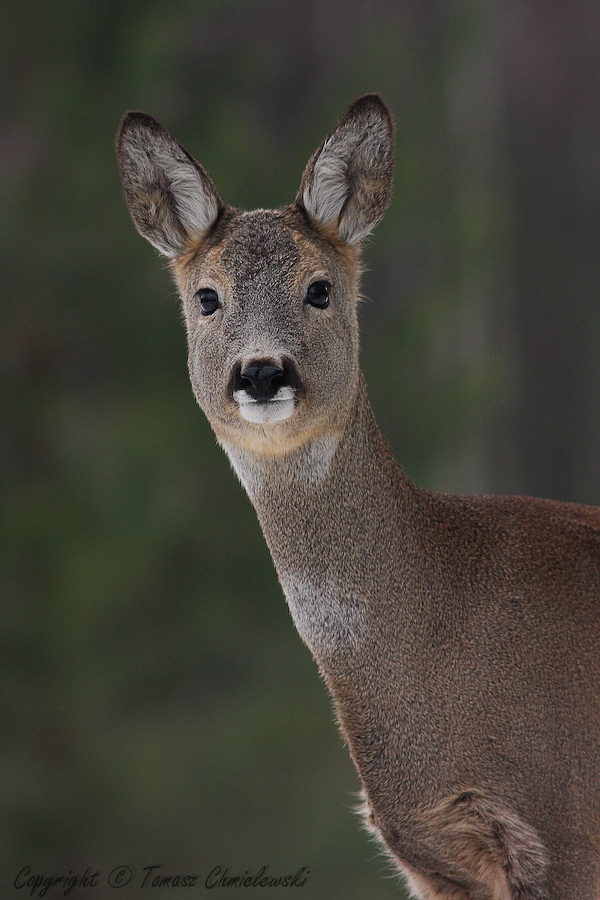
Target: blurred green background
<point x="157" y="706"/>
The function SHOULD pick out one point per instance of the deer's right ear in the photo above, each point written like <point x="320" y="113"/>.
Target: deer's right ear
<point x="170" y="196"/>
<point x="347" y="183"/>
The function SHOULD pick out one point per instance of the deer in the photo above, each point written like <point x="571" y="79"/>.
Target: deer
<point x="458" y="636"/>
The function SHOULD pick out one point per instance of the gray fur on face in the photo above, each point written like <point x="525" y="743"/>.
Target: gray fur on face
<point x="257" y="247"/>
<point x="259" y="260"/>
<point x="262" y="269"/>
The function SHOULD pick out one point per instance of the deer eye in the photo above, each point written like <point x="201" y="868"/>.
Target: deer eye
<point x="209" y="301"/>
<point x="318" y="294"/>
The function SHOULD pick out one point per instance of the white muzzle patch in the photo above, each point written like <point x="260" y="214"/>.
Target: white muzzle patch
<point x="280" y="407"/>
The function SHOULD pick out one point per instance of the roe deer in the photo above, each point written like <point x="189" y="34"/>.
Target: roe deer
<point x="459" y="636"/>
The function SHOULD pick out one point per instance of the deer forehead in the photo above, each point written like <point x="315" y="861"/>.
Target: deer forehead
<point x="259" y="243"/>
<point x="264" y="250"/>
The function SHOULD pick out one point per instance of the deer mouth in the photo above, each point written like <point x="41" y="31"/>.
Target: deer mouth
<point x="265" y="390"/>
<point x="267" y="412"/>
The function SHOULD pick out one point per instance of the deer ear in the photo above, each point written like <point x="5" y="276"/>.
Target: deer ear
<point x="347" y="183"/>
<point x="169" y="195"/>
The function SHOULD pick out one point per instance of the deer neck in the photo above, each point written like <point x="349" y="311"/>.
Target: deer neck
<point x="333" y="512"/>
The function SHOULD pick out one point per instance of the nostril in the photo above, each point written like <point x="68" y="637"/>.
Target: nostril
<point x="277" y="380"/>
<point x="255" y="374"/>
<point x="250" y="373"/>
<point x="262" y="381"/>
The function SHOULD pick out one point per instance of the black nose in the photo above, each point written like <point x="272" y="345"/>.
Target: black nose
<point x="262" y="380"/>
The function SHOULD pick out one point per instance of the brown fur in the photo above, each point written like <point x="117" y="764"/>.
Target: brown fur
<point x="459" y="636"/>
<point x="487" y="849"/>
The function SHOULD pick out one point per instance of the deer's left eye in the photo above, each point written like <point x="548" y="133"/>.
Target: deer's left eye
<point x="318" y="294"/>
<point x="209" y="301"/>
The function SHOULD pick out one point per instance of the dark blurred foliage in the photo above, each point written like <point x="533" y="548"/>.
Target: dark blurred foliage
<point x="156" y="703"/>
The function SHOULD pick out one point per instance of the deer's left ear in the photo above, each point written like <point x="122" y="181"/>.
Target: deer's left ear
<point x="169" y="195"/>
<point x="347" y="183"/>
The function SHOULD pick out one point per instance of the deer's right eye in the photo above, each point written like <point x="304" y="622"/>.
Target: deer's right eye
<point x="318" y="294"/>
<point x="209" y="301"/>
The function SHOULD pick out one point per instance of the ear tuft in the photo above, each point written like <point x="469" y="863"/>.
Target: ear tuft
<point x="169" y="195"/>
<point x="347" y="183"/>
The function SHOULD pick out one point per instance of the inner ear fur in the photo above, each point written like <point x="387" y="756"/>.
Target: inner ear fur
<point x="170" y="196"/>
<point x="347" y="183"/>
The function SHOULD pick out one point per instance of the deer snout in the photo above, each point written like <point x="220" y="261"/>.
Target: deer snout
<point x="262" y="380"/>
<point x="265" y="389"/>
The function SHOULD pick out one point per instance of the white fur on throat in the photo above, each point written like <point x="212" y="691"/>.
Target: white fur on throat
<point x="308" y="464"/>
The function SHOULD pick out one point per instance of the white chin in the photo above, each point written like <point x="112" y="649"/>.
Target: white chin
<point x="267" y="413"/>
